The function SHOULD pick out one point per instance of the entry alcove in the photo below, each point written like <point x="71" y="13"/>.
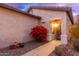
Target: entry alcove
<point x="55" y="25"/>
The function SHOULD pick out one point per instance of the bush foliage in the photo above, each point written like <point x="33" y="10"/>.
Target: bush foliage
<point x="74" y="30"/>
<point x="39" y="33"/>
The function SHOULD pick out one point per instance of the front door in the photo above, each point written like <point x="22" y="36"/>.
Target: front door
<point x="55" y="25"/>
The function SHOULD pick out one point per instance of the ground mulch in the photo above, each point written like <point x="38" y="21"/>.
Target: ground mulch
<point x="20" y="51"/>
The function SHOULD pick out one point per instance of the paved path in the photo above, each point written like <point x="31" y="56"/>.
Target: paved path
<point x="43" y="50"/>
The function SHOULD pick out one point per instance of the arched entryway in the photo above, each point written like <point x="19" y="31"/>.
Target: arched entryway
<point x="55" y="24"/>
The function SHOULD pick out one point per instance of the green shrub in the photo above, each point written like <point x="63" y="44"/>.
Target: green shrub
<point x="74" y="30"/>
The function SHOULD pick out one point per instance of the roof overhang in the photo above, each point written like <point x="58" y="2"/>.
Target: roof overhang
<point x="17" y="10"/>
<point x="68" y="10"/>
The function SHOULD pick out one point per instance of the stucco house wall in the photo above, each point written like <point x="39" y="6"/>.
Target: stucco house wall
<point x="15" y="27"/>
<point x="47" y="15"/>
<point x="69" y="24"/>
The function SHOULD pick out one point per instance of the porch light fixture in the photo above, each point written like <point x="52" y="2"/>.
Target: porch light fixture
<point x="55" y="25"/>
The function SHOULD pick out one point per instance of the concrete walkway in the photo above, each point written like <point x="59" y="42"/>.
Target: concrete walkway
<point x="43" y="50"/>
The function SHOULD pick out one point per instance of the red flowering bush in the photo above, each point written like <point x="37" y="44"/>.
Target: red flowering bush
<point x="39" y="33"/>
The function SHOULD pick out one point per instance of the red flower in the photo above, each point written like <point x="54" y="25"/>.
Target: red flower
<point x="39" y="32"/>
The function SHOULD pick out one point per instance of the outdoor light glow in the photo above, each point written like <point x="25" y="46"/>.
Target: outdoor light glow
<point x="55" y="25"/>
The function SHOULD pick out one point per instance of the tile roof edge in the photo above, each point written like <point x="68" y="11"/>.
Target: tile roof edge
<point x="17" y="10"/>
<point x="68" y="10"/>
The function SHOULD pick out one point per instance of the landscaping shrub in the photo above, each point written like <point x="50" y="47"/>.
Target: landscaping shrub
<point x="16" y="45"/>
<point x="76" y="44"/>
<point x="74" y="30"/>
<point x="39" y="33"/>
<point x="63" y="50"/>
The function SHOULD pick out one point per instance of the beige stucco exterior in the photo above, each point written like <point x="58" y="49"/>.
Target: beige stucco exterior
<point x="47" y="15"/>
<point x="15" y="27"/>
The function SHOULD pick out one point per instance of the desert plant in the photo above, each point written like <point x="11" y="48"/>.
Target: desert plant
<point x="74" y="30"/>
<point x="63" y="50"/>
<point x="75" y="43"/>
<point x="39" y="33"/>
<point x="16" y="45"/>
